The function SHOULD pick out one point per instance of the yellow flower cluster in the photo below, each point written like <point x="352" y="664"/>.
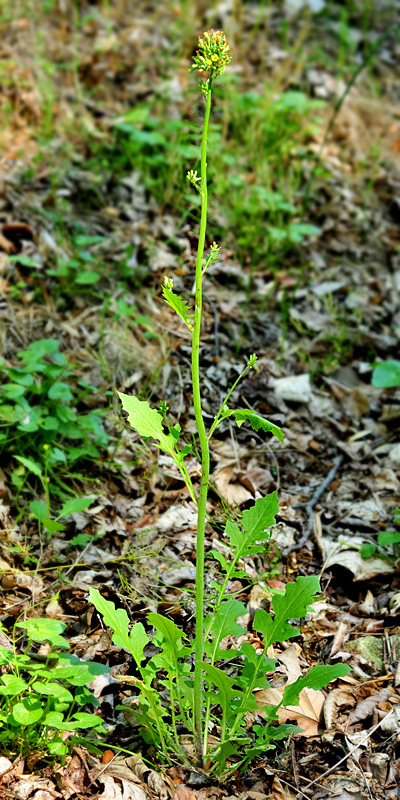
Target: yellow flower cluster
<point x="212" y="55"/>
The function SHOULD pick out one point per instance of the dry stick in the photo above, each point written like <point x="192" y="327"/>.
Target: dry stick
<point x="299" y="791"/>
<point x="309" y="506"/>
<point x="350" y="753"/>
<point x="104" y="769"/>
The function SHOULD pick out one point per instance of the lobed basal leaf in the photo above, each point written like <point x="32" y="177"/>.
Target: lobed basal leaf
<point x="293" y="604"/>
<point x="133" y="641"/>
<point x="317" y="677"/>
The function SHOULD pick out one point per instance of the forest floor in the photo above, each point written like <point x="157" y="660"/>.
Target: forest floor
<point x="100" y="122"/>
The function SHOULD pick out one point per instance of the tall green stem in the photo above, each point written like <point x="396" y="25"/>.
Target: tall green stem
<point x="204" y="448"/>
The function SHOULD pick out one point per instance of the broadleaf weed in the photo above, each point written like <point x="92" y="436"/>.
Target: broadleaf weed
<point x="43" y="697"/>
<point x="205" y="698"/>
<point x="41" y="429"/>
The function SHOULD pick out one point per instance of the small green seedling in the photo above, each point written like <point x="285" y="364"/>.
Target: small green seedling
<point x="211" y="702"/>
<point x="386" y="539"/>
<point x="41" y="511"/>
<point x="386" y="374"/>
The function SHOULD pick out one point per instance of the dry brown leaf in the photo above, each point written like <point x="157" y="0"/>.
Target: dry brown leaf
<point x="290" y="658"/>
<point x="255" y="478"/>
<point x="338" y="639"/>
<point x="54" y="610"/>
<point x="363" y="569"/>
<point x="154" y="781"/>
<point x="71" y="779"/>
<point x="123" y="790"/>
<point x="365" y="708"/>
<point x="33" y="583"/>
<point x="234" y="493"/>
<point x="5" y="765"/>
<point x="345" y="788"/>
<point x="337" y="698"/>
<point x="279" y="791"/>
<point x="41" y="788"/>
<point x="131" y="772"/>
<point x="308" y="712"/>
<point x="6" y="245"/>
<point x="306" y="715"/>
<point x="225" y="452"/>
<point x="184" y="793"/>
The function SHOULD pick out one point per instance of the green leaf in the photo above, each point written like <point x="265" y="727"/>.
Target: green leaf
<point x="292" y="605"/>
<point x="10" y="414"/>
<point x="386" y="538"/>
<point x="12" y="685"/>
<point x="386" y="375"/>
<point x="80" y="673"/>
<point x="224" y="751"/>
<point x="368" y="550"/>
<point x="31" y="465"/>
<point x="57" y="456"/>
<point x="39" y="349"/>
<point x="225" y="685"/>
<point x="60" y="391"/>
<point x="260" y="516"/>
<point x="30" y="423"/>
<point x="50" y="424"/>
<point x="52" y="526"/>
<point x="25" y="261"/>
<point x="254" y="521"/>
<point x="53" y="689"/>
<point x="297" y="231"/>
<point x="169" y="631"/>
<point x="137" y="114"/>
<point x="44" y="630"/>
<point x="27" y="712"/>
<point x="224" y="622"/>
<point x="57" y="747"/>
<point x="20" y="376"/>
<point x="257" y="422"/>
<point x="82" y="696"/>
<point x="282" y="732"/>
<point x="13" y="390"/>
<point x="316" y="678"/>
<point x="179" y="306"/>
<point x="53" y="719"/>
<point x="84" y="720"/>
<point x="86" y="241"/>
<point x="219" y="557"/>
<point x="133" y="641"/>
<point x="7" y="656"/>
<point x="236" y="537"/>
<point x="252" y="666"/>
<point x="147" y="421"/>
<point x="87" y="278"/>
<point x="74" y="506"/>
<point x="81" y="539"/>
<point x="38" y="509"/>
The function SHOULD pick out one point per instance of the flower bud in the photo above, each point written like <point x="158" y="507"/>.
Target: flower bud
<point x="212" y="55"/>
